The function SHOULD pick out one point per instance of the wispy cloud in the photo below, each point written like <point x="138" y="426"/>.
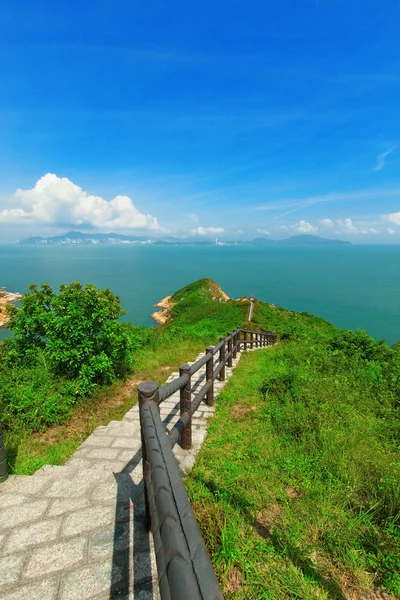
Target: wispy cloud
<point x="381" y="158"/>
<point x="295" y="204"/>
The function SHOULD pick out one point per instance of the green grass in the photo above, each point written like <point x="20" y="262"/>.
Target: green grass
<point x="297" y="488"/>
<point x="45" y="417"/>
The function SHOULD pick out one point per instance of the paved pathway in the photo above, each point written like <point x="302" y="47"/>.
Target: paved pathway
<point x="76" y="532"/>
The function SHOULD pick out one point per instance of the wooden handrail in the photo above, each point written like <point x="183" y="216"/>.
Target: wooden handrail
<point x="184" y="567"/>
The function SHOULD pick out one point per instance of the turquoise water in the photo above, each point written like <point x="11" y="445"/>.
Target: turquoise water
<point x="351" y="286"/>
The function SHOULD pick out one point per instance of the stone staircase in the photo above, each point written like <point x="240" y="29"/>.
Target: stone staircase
<point x="76" y="532"/>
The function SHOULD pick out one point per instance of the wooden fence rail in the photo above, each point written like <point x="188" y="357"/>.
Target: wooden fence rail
<point x="183" y="565"/>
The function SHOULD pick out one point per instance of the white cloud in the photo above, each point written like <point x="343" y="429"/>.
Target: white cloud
<point x="390" y="231"/>
<point x="264" y="231"/>
<point x="206" y="230"/>
<point x="392" y="217"/>
<point x="304" y="227"/>
<point x="347" y="226"/>
<point x="380" y="159"/>
<point x="56" y="200"/>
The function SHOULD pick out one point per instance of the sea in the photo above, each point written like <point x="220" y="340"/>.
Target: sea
<point x="354" y="287"/>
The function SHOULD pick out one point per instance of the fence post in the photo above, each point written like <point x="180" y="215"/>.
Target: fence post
<point x="3" y="461"/>
<point x="210" y="375"/>
<point x="238" y="340"/>
<point x="222" y="359"/>
<point x="234" y="344"/>
<point x="147" y="391"/>
<point x="251" y="340"/>
<point x="245" y="339"/>
<point x="185" y="406"/>
<point x="230" y="349"/>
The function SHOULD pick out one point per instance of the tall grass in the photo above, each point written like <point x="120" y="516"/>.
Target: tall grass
<point x="297" y="488"/>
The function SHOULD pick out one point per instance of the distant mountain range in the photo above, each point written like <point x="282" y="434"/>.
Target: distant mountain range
<point x="74" y="238"/>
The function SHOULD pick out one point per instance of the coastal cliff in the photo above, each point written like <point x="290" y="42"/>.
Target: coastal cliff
<point x="6" y="298"/>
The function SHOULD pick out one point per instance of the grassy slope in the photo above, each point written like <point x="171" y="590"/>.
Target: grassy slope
<point x="297" y="488"/>
<point x="43" y="423"/>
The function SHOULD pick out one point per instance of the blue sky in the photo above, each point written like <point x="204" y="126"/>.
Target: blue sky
<point x="201" y="118"/>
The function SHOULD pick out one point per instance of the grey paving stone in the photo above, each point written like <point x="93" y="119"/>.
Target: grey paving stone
<point x="55" y="557"/>
<point x="31" y="510"/>
<point x="98" y="440"/>
<point x="11" y="499"/>
<point x="75" y="488"/>
<point x="10" y="569"/>
<point x="61" y="506"/>
<point x="89" y="581"/>
<point x="31" y="535"/>
<point x="104" y="453"/>
<point x="87" y="519"/>
<point x="123" y="431"/>
<point x="127" y="443"/>
<point x="24" y="484"/>
<point x="41" y="590"/>
<point x="103" y="543"/>
<point x="81" y="463"/>
<point x="122" y="485"/>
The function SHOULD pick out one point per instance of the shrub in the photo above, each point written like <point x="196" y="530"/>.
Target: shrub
<point x="77" y="330"/>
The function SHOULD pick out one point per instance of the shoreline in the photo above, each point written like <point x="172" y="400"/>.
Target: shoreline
<point x="161" y="316"/>
<point x="6" y="299"/>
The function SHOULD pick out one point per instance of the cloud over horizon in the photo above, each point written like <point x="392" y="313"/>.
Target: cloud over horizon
<point x="206" y="230"/>
<point x="58" y="201"/>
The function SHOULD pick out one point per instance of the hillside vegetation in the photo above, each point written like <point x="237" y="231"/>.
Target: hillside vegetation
<point x="71" y="366"/>
<point x="297" y="487"/>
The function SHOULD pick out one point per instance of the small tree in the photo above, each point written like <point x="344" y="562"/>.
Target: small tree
<point x="77" y="330"/>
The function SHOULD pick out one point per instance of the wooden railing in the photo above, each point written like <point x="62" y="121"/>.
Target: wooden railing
<point x="184" y="567"/>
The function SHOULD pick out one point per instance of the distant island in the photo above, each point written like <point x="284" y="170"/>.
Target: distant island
<point x="76" y="238"/>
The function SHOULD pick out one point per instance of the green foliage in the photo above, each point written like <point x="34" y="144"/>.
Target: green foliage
<point x="77" y="330"/>
<point x="63" y="346"/>
<point x="199" y="314"/>
<point x="316" y="515"/>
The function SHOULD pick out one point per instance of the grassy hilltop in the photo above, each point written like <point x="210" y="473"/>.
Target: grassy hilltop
<point x="297" y="487"/>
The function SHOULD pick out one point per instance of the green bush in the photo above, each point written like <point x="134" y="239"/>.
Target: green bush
<point x="77" y="330"/>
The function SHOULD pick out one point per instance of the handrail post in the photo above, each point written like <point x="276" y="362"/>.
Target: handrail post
<point x="3" y="461"/>
<point x="210" y="375"/>
<point x="229" y="349"/>
<point x="238" y="340"/>
<point x="245" y="339"/>
<point x="235" y="337"/>
<point x="252" y="339"/>
<point x="185" y="406"/>
<point x="222" y="359"/>
<point x="148" y="391"/>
